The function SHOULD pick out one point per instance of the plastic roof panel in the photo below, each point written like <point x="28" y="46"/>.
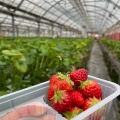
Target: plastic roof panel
<point x="89" y="15"/>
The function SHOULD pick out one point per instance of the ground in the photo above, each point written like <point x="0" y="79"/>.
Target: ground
<point x="97" y="68"/>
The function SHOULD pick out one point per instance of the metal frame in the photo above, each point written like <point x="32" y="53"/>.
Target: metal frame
<point x="103" y="10"/>
<point x="101" y="15"/>
<point x="51" y="7"/>
<point x="29" y="13"/>
<point x="79" y="7"/>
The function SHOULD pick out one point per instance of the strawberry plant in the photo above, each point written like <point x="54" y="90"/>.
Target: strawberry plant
<point x="29" y="61"/>
<point x="113" y="46"/>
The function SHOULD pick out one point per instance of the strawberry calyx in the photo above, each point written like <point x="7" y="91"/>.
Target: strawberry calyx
<point x="84" y="84"/>
<point x="93" y="101"/>
<point x="58" y="96"/>
<point x="75" y="111"/>
<point x="68" y="115"/>
<point x="64" y="77"/>
<point x="72" y="113"/>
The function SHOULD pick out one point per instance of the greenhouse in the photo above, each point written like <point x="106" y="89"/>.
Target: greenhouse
<point x="59" y="59"/>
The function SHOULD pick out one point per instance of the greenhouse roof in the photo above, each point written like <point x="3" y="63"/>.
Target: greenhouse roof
<point x="90" y="15"/>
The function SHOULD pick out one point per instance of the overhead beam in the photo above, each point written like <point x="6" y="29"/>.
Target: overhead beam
<point x="29" y="18"/>
<point x="84" y="19"/>
<point x="23" y="11"/>
<point x="51" y="7"/>
<point x="100" y="15"/>
<point x="102" y="9"/>
<point x="78" y="5"/>
<point x="115" y="4"/>
<point x="19" y="5"/>
<point x="63" y="14"/>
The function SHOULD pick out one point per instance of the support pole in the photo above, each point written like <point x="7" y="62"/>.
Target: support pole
<point x="66" y="32"/>
<point x="52" y="31"/>
<point x="28" y="30"/>
<point x="73" y="34"/>
<point x="0" y="29"/>
<point x="60" y="31"/>
<point x="38" y="31"/>
<point x="70" y="33"/>
<point x="49" y="33"/>
<point x="44" y="32"/>
<point x="17" y="29"/>
<point x="13" y="26"/>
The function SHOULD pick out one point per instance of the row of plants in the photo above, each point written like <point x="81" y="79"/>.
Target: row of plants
<point x="25" y="62"/>
<point x="111" y="54"/>
<point x="113" y="46"/>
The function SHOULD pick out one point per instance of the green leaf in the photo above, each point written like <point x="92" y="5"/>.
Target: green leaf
<point x="22" y="58"/>
<point x="2" y="63"/>
<point x="34" y="47"/>
<point x="15" y="54"/>
<point x="43" y="49"/>
<point x="66" y="61"/>
<point x="30" y="60"/>
<point x="3" y="93"/>
<point x="21" y="66"/>
<point x="68" y="115"/>
<point x="11" y="52"/>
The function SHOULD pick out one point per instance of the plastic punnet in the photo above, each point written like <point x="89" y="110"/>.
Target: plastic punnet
<point x="37" y="93"/>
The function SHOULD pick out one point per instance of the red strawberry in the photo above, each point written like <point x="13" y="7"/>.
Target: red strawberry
<point x="78" y="75"/>
<point x="54" y="79"/>
<point x="61" y="101"/>
<point x="77" y="98"/>
<point x="89" y="102"/>
<point x="91" y="88"/>
<point x="50" y="93"/>
<point x="74" y="111"/>
<point x="61" y="81"/>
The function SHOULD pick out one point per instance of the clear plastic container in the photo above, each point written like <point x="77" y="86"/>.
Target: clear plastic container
<point x="31" y="95"/>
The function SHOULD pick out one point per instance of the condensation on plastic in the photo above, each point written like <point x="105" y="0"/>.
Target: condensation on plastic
<point x="37" y="94"/>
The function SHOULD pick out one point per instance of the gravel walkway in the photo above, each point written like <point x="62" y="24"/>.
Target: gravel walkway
<point x="96" y="64"/>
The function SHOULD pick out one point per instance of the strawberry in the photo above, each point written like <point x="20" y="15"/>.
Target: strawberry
<point x="54" y="79"/>
<point x="91" y="88"/>
<point x="74" y="111"/>
<point x="89" y="102"/>
<point x="61" y="101"/>
<point x="78" y="75"/>
<point x="77" y="98"/>
<point x="50" y="93"/>
<point x="61" y="82"/>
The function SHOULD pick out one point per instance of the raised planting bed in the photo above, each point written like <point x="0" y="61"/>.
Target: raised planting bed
<point x="26" y="62"/>
<point x="112" y="62"/>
